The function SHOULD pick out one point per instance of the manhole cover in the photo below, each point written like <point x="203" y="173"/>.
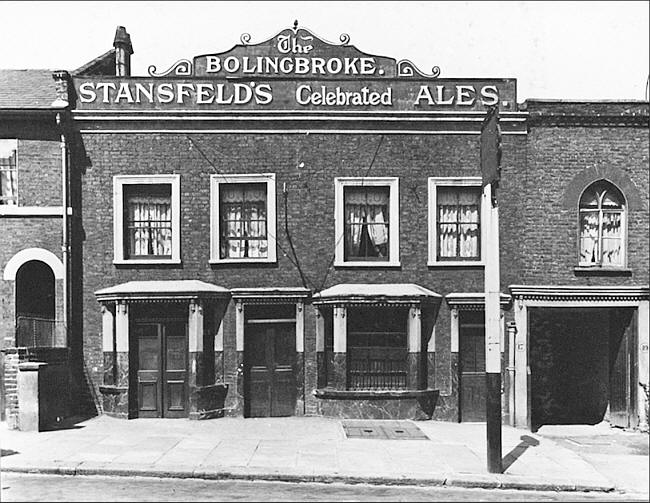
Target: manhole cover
<point x="387" y="430"/>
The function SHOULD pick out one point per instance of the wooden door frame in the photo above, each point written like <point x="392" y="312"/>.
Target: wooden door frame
<point x="525" y="297"/>
<point x="162" y="346"/>
<point x="274" y="323"/>
<point x="459" y="360"/>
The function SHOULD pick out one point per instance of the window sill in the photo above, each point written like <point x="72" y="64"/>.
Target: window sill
<point x="150" y="262"/>
<point x="367" y="264"/>
<point x="335" y="394"/>
<point x="30" y="211"/>
<point x="250" y="261"/>
<point x="459" y="263"/>
<point x="601" y="271"/>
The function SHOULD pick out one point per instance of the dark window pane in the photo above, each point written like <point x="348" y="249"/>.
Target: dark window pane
<point x="366" y="227"/>
<point x="376" y="347"/>
<point x="8" y="172"/>
<point x="243" y="225"/>
<point x="148" y="351"/>
<point x="601" y="225"/>
<point x="458" y="227"/>
<point x="148" y="219"/>
<point x="176" y="349"/>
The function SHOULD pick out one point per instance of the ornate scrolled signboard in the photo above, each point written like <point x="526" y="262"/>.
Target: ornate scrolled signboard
<point x="293" y="71"/>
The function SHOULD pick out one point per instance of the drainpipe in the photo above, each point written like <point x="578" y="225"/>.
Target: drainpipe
<point x="65" y="247"/>
<point x="512" y="330"/>
<point x="62" y="102"/>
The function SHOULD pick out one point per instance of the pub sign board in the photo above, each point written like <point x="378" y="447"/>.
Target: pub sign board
<point x="295" y="70"/>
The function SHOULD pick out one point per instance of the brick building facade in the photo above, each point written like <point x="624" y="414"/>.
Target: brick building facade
<point x="244" y="246"/>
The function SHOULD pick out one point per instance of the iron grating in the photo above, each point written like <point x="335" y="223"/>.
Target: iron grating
<point x="384" y="430"/>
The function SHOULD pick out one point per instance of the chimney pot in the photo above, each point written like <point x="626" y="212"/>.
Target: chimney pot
<point x="123" y="51"/>
<point x="122" y="39"/>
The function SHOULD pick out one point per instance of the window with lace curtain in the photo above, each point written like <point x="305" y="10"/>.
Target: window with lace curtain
<point x="366" y="223"/>
<point x="455" y="232"/>
<point x="602" y="226"/>
<point x="148" y="216"/>
<point x="146" y="219"/>
<point x="243" y="218"/>
<point x="8" y="172"/>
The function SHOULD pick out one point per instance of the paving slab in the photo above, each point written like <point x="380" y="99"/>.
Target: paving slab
<point x="316" y="449"/>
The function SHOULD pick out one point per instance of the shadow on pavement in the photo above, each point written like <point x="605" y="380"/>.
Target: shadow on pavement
<point x="68" y="423"/>
<point x="519" y="449"/>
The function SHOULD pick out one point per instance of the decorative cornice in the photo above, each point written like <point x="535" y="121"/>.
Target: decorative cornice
<point x="270" y="295"/>
<point x="300" y="121"/>
<point x="579" y="293"/>
<point x="161" y="291"/>
<point x="473" y="300"/>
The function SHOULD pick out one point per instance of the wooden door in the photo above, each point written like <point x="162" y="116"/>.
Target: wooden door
<point x="270" y="352"/>
<point x="149" y="385"/>
<point x="622" y="381"/>
<point x="471" y="355"/>
<point x="162" y="368"/>
<point x="174" y="373"/>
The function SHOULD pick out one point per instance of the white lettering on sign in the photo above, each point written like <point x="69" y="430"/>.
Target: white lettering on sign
<point x="301" y="65"/>
<point x="324" y="93"/>
<point x="461" y="95"/>
<point x="293" y="44"/>
<point x="180" y="92"/>
<point x="305" y="95"/>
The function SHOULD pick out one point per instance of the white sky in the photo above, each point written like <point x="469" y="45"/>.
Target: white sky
<point x="562" y="50"/>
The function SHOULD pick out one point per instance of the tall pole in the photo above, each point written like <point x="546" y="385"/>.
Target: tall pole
<point x="490" y="169"/>
<point x="492" y="335"/>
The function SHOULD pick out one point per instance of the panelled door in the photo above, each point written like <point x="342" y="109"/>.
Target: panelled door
<point x="270" y="353"/>
<point x="162" y="368"/>
<point x="622" y="380"/>
<point x="471" y="355"/>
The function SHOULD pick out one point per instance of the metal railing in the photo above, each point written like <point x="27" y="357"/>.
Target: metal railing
<point x="35" y="332"/>
<point x="376" y="369"/>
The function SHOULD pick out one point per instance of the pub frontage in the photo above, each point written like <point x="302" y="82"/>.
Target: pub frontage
<point x="296" y="227"/>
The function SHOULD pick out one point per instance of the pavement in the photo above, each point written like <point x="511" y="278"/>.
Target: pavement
<point x="316" y="449"/>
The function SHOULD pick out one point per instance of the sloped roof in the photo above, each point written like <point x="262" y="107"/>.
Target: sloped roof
<point x="364" y="292"/>
<point x="177" y="289"/>
<point x="27" y="89"/>
<point x="101" y="65"/>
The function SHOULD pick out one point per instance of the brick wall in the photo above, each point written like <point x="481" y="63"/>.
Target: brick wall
<point x="39" y="184"/>
<point x="561" y="162"/>
<point x="39" y="173"/>
<point x="16" y="234"/>
<point x="311" y="209"/>
<point x="542" y="175"/>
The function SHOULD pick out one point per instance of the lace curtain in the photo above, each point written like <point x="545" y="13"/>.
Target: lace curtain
<point x="243" y="221"/>
<point x="458" y="222"/>
<point x="8" y="189"/>
<point x="150" y="225"/>
<point x="601" y="217"/>
<point x="366" y="222"/>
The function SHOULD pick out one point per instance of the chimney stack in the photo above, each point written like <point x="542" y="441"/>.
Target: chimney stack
<point x="123" y="51"/>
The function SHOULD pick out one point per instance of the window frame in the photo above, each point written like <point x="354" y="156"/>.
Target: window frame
<point x="15" y="198"/>
<point x="392" y="182"/>
<point x="467" y="181"/>
<point x="388" y="352"/>
<point x="215" y="215"/>
<point x="119" y="182"/>
<point x="624" y="209"/>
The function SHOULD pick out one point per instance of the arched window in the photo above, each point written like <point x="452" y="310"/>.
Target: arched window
<point x="602" y="226"/>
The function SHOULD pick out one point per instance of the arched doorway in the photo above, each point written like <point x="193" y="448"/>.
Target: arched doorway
<point x="35" y="305"/>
